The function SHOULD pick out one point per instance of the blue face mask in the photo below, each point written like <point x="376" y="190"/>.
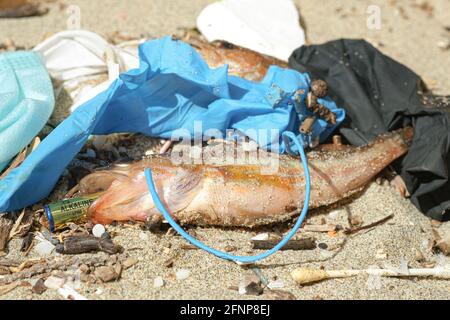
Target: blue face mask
<point x="26" y="101"/>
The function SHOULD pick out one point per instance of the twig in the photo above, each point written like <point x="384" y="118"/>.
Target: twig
<point x="293" y="244"/>
<point x="9" y="287"/>
<point x="5" y="227"/>
<point x="86" y="243"/>
<point x="368" y="226"/>
<point x="14" y="231"/>
<point x="319" y="228"/>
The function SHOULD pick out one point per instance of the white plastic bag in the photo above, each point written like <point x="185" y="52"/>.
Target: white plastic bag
<point x="271" y="27"/>
<point x="74" y="55"/>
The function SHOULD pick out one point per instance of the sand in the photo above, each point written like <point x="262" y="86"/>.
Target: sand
<point x="408" y="35"/>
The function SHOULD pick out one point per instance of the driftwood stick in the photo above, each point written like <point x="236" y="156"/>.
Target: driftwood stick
<point x="293" y="244"/>
<point x="370" y="225"/>
<point x="86" y="243"/>
<point x="5" y="227"/>
<point x="319" y="228"/>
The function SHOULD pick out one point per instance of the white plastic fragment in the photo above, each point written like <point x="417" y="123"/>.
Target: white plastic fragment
<point x="54" y="283"/>
<point x="261" y="237"/>
<point x="271" y="27"/>
<point x="182" y="274"/>
<point x="276" y="284"/>
<point x="73" y="55"/>
<point x="158" y="282"/>
<point x="70" y="294"/>
<point x="242" y="290"/>
<point x="44" y="248"/>
<point x="98" y="230"/>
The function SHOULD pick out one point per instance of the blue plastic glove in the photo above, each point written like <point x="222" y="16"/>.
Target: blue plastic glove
<point x="172" y="89"/>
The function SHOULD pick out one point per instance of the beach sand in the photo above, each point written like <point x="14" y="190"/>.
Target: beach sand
<point x="408" y="34"/>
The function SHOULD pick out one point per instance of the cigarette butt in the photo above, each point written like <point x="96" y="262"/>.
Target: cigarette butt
<point x="305" y="276"/>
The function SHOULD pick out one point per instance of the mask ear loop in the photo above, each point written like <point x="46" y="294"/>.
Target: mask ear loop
<point x="241" y="259"/>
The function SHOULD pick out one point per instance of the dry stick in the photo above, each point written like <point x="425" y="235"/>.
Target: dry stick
<point x="368" y="226"/>
<point x="306" y="276"/>
<point x="86" y="243"/>
<point x="293" y="244"/>
<point x="21" y="156"/>
<point x="16" y="226"/>
<point x="5" y="227"/>
<point x="319" y="228"/>
<point x="9" y="287"/>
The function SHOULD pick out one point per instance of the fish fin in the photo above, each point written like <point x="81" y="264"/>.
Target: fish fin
<point x="181" y="189"/>
<point x="99" y="181"/>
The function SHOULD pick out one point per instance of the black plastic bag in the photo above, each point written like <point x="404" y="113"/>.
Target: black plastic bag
<point x="379" y="95"/>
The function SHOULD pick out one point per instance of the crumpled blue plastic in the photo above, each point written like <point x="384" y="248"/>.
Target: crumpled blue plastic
<point x="26" y="101"/>
<point x="171" y="90"/>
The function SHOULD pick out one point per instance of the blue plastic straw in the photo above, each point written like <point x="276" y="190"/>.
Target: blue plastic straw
<point x="224" y="255"/>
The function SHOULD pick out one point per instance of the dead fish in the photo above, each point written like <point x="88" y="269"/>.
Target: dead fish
<point x="239" y="195"/>
<point x="241" y="62"/>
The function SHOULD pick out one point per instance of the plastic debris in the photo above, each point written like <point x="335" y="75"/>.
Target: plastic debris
<point x="54" y="283"/>
<point x="261" y="237"/>
<point x="250" y="285"/>
<point x="276" y="284"/>
<point x="372" y="109"/>
<point x="69" y="293"/>
<point x="235" y="21"/>
<point x="74" y="55"/>
<point x="44" y="248"/>
<point x="98" y="230"/>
